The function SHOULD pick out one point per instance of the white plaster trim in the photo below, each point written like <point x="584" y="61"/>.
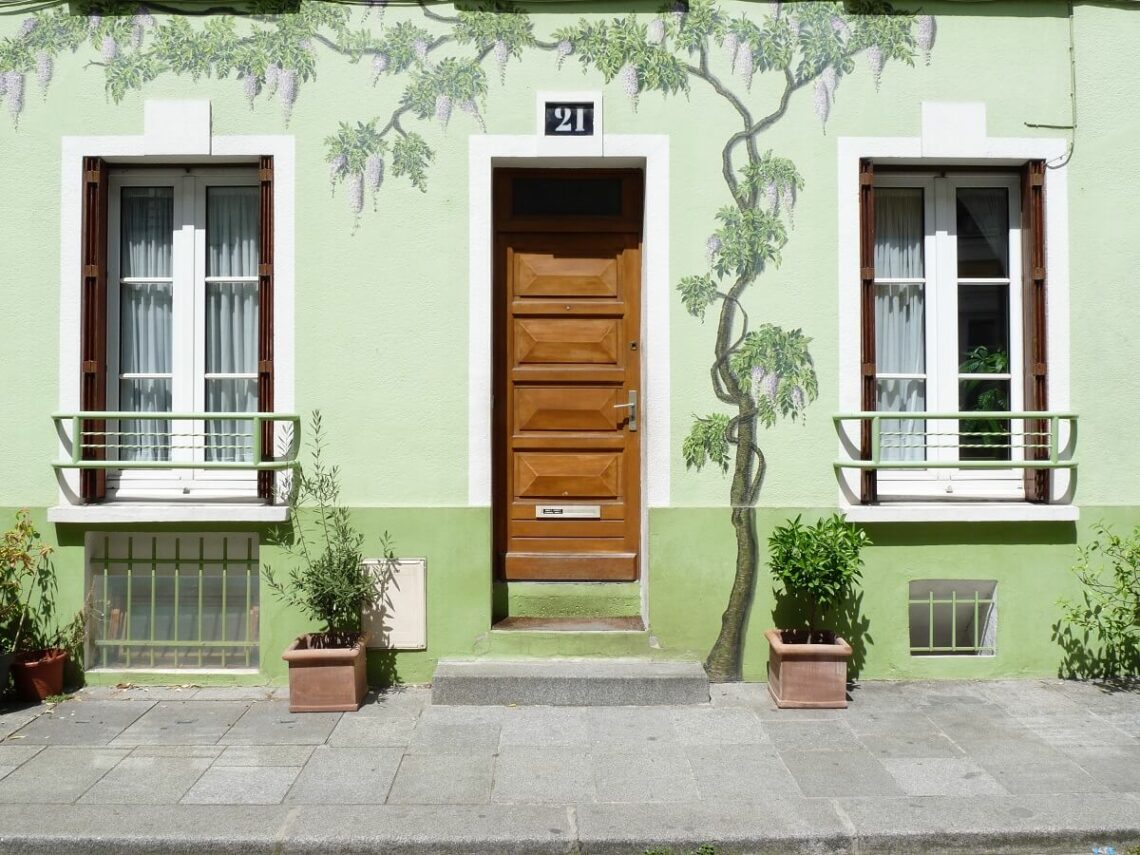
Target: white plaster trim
<point x="140" y="513"/>
<point x="941" y="145"/>
<point x="651" y="150"/>
<point x="72" y="152"/>
<point x="927" y="512"/>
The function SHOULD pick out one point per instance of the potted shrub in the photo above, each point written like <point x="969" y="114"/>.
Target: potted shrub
<point x="329" y="583"/>
<point x="817" y="565"/>
<point x="32" y="643"/>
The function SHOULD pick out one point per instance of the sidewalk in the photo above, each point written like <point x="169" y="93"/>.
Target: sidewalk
<point x="1012" y="766"/>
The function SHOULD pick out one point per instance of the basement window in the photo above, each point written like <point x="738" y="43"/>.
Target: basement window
<point x="953" y="617"/>
<point x="174" y="602"/>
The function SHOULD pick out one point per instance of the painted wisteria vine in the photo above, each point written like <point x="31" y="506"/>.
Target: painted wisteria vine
<point x="759" y="373"/>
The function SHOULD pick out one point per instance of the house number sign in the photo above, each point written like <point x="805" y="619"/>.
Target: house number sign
<point x="569" y="119"/>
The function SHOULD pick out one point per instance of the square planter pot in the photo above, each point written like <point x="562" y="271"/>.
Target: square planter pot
<point x="807" y="676"/>
<point x="326" y="679"/>
<point x="38" y="674"/>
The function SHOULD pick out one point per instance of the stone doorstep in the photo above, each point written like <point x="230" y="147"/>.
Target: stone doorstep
<point x="568" y="682"/>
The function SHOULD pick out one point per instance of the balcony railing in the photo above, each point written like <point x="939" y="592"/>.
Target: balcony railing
<point x="129" y="440"/>
<point x="961" y="440"/>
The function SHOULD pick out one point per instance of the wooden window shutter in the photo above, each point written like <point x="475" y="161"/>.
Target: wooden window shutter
<point x="868" y="487"/>
<point x="1037" y="481"/>
<point x="265" y="480"/>
<point x="93" y="320"/>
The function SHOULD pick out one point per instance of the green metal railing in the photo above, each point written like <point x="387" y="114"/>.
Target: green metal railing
<point x="980" y="606"/>
<point x="234" y="441"/>
<point x="1021" y="440"/>
<point x="170" y="602"/>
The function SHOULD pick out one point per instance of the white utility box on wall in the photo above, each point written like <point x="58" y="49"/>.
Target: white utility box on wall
<point x="399" y="621"/>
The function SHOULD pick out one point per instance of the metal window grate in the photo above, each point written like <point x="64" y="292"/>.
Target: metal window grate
<point x="174" y="601"/>
<point x="953" y="617"/>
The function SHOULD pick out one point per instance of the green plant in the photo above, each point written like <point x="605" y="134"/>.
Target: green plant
<point x="328" y="580"/>
<point x="817" y="564"/>
<point x="1109" y="611"/>
<point x="25" y="571"/>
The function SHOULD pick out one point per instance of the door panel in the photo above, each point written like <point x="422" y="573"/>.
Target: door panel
<point x="567" y="359"/>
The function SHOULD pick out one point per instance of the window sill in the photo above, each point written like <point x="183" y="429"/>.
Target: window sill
<point x="144" y="512"/>
<point x="922" y="512"/>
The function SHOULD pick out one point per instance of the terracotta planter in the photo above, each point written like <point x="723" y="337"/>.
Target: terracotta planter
<point x="807" y="676"/>
<point x="38" y="674"/>
<point x="326" y="679"/>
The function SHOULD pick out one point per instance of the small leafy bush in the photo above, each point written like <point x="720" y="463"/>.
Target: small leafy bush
<point x="817" y="564"/>
<point x="328" y="581"/>
<point x="1109" y="611"/>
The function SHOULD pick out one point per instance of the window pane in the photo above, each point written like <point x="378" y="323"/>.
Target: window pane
<point x="231" y="327"/>
<point x="983" y="329"/>
<point x="232" y="231"/>
<point x="147" y="231"/>
<point x="900" y="328"/>
<point x="902" y="439"/>
<point x="144" y="439"/>
<point x="983" y="233"/>
<point x="899" y="233"/>
<point x="574" y="196"/>
<point x="230" y="439"/>
<point x="984" y="439"/>
<point x="145" y="329"/>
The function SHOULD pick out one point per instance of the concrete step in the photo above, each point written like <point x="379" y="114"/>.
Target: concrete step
<point x="568" y="682"/>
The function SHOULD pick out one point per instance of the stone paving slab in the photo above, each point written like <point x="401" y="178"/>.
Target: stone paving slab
<point x="89" y="722"/>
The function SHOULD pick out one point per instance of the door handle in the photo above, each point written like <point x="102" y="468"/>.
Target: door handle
<point x="632" y="407"/>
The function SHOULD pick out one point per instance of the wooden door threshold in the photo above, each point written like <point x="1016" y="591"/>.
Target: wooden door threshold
<point x="570" y="624"/>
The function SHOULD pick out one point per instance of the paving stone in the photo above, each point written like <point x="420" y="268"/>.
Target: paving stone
<point x="939" y="776"/>
<point x="748" y="695"/>
<point x="560" y="727"/>
<point x="424" y="829"/>
<point x="741" y="773"/>
<point x="13" y="754"/>
<point x="346" y="776"/>
<point x="1126" y="723"/>
<point x="234" y="693"/>
<point x="881" y="696"/>
<point x="155" y="830"/>
<point x="1115" y="767"/>
<point x="926" y="695"/>
<point x="657" y="774"/>
<point x="1101" y="698"/>
<point x="443" y="779"/>
<point x="138" y="693"/>
<point x="208" y="751"/>
<point x="911" y="746"/>
<point x="839" y="773"/>
<point x="242" y="785"/>
<point x="764" y="827"/>
<point x="264" y="755"/>
<point x="393" y="728"/>
<point x="12" y="719"/>
<point x="1079" y="729"/>
<point x="812" y="736"/>
<point x="271" y="723"/>
<point x="1027" y="698"/>
<point x="1052" y="823"/>
<point x="626" y="727"/>
<point x="58" y="775"/>
<point x="434" y="738"/>
<point x="1030" y="768"/>
<point x="406" y="699"/>
<point x="490" y="715"/>
<point x="543" y="776"/>
<point x="183" y="723"/>
<point x="6" y="770"/>
<point x="696" y="725"/>
<point x="147" y="780"/>
<point x="84" y="722"/>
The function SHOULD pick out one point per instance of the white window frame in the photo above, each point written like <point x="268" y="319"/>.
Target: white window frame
<point x="188" y="335"/>
<point x="952" y="134"/>
<point x="942" y="376"/>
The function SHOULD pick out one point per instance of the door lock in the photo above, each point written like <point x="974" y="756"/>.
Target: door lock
<point x="632" y="407"/>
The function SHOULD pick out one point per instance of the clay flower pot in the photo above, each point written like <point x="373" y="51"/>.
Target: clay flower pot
<point x="38" y="674"/>
<point x="807" y="676"/>
<point x="326" y="679"/>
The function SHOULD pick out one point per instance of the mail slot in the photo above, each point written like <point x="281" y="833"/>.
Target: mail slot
<point x="568" y="512"/>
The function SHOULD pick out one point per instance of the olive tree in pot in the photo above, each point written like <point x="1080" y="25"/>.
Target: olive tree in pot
<point x="329" y="582"/>
<point x="817" y="565"/>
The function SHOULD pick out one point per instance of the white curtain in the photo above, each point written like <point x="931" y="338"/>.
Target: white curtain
<point x="988" y="209"/>
<point x="900" y="318"/>
<point x="147" y="227"/>
<point x="232" y="232"/>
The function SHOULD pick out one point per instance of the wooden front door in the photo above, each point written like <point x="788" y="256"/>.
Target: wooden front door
<point x="568" y="406"/>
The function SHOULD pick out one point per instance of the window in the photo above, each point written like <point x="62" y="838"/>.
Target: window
<point x="953" y="617"/>
<point x="952" y="326"/>
<point x="948" y="324"/>
<point x="177" y="306"/>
